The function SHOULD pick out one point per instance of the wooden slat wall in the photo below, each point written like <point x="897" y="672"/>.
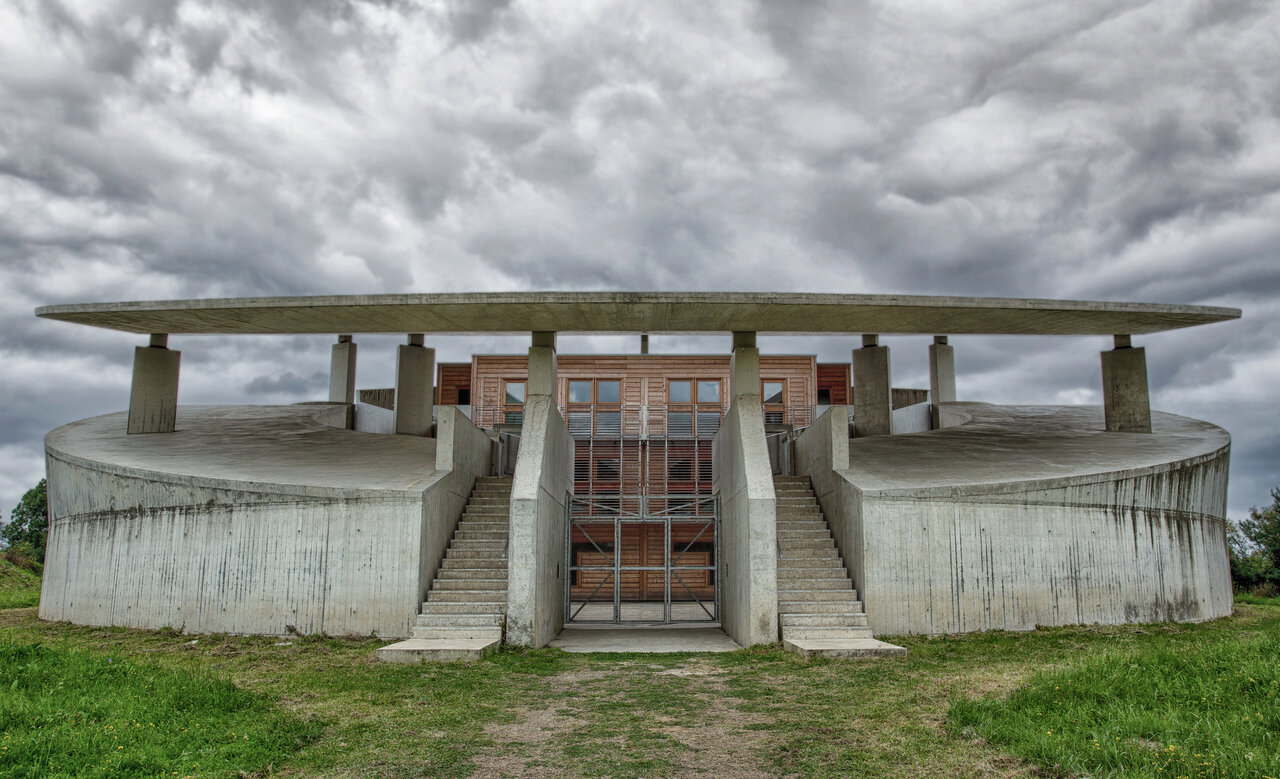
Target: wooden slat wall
<point x="834" y="377"/>
<point x="451" y="377"/>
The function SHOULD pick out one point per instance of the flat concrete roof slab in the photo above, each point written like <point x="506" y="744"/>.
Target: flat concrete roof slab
<point x="634" y="312"/>
<point x="243" y="446"/>
<point x="1017" y="444"/>
<point x="644" y="639"/>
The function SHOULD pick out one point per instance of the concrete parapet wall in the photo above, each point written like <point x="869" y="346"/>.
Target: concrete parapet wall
<point x="994" y="551"/>
<point x="748" y="525"/>
<point x="536" y="554"/>
<point x="140" y="538"/>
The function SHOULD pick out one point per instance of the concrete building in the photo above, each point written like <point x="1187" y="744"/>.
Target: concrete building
<point x="769" y="496"/>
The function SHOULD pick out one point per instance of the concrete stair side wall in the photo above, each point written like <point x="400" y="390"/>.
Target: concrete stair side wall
<point x="748" y="525"/>
<point x="540" y="488"/>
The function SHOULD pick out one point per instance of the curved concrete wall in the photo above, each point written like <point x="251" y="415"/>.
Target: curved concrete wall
<point x="133" y="544"/>
<point x="1119" y="544"/>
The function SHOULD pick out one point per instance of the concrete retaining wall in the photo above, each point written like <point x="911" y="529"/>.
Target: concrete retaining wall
<point x="146" y="548"/>
<point x="536" y="554"/>
<point x="748" y="525"/>
<point x="1136" y="545"/>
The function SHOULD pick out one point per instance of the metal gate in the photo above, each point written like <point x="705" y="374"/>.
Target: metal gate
<point x="647" y="559"/>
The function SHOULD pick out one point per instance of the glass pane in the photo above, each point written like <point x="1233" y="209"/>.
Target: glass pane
<point x="708" y="424"/>
<point x="608" y="391"/>
<point x="579" y="392"/>
<point x="579" y="423"/>
<point x="679" y="423"/>
<point x="679" y="391"/>
<point x="708" y="392"/>
<point x="515" y="392"/>
<point x="772" y="392"/>
<point x="608" y="423"/>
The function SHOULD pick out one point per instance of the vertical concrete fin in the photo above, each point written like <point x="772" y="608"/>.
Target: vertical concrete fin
<point x="1125" y="398"/>
<point x="415" y="395"/>
<point x="872" y="397"/>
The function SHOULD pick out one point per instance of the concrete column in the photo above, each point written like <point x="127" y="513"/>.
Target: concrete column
<point x="542" y="365"/>
<point x="744" y="366"/>
<point x="942" y="376"/>
<point x="415" y="375"/>
<point x="153" y="400"/>
<point x="1125" y="399"/>
<point x="342" y="371"/>
<point x="872" y="398"/>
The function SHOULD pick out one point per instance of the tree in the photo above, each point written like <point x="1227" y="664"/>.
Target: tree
<point x="1262" y="528"/>
<point x="29" y="522"/>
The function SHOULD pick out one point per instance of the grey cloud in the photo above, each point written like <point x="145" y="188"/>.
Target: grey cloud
<point x="287" y="383"/>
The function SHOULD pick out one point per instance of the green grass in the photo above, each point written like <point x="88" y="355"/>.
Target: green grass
<point x="19" y="587"/>
<point x="70" y="713"/>
<point x="760" y="712"/>
<point x="1210" y="708"/>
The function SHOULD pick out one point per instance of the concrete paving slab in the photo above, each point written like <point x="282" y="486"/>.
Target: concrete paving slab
<point x="644" y="639"/>
<point x="841" y="647"/>
<point x="437" y="650"/>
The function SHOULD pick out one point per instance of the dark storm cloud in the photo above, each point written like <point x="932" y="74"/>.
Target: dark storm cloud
<point x="1097" y="150"/>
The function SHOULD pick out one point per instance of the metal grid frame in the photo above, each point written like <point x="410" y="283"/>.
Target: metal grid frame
<point x="652" y="510"/>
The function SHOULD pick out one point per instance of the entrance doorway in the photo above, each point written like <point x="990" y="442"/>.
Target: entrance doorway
<point x="643" y="559"/>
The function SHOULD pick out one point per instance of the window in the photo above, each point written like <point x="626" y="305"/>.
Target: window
<point x="464" y="397"/>
<point x="580" y="392"/>
<point x="680" y="470"/>
<point x="824" y="397"/>
<point x="607" y="469"/>
<point x="708" y="392"/>
<point x="679" y="391"/>
<point x="772" y="392"/>
<point x="514" y="393"/>
<point x="608" y="391"/>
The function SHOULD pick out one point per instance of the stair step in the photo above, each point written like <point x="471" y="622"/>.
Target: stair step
<point x="801" y="631"/>
<point x="467" y="596"/>
<point x="491" y="564"/>
<point x="493" y="632"/>
<point x="495" y="553"/>
<point x="849" y="595"/>
<point x="807" y="543"/>
<point x="823" y="620"/>
<point x="815" y="551"/>
<point x="459" y="580"/>
<point x="812" y="563"/>
<point x="459" y="620"/>
<point x="468" y="533"/>
<point x="462" y="607"/>
<point x="813" y="606"/>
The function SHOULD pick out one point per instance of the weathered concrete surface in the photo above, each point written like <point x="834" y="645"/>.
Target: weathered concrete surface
<point x="437" y="650"/>
<point x="540" y="488"/>
<point x="942" y="376"/>
<point x="249" y="520"/>
<point x="638" y="312"/>
<point x="1027" y="516"/>
<point x="415" y="393"/>
<point x="638" y="639"/>
<point x="842" y="648"/>
<point x="153" y="398"/>
<point x="872" y="406"/>
<point x="748" y="524"/>
<point x="342" y="372"/>
<point x="1126" y="401"/>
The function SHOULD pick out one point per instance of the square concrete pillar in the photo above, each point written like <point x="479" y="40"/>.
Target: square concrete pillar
<point x="1126" y="402"/>
<point x="542" y="365"/>
<point x="872" y="398"/>
<point x="415" y="374"/>
<point x="942" y="376"/>
<point x="342" y="371"/>
<point x="744" y="366"/>
<point x="153" y="399"/>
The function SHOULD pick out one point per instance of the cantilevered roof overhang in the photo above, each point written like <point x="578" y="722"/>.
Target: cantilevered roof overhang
<point x="638" y="312"/>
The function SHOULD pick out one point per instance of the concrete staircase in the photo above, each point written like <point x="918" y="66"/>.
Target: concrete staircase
<point x="817" y="604"/>
<point x="466" y="607"/>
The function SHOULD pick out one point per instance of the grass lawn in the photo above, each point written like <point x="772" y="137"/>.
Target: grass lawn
<point x="956" y="706"/>
<point x="18" y="586"/>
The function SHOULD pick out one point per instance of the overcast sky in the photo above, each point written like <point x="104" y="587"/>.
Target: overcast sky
<point x="1098" y="150"/>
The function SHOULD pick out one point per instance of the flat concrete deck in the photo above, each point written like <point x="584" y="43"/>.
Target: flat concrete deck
<point x="1003" y="444"/>
<point x="279" y="445"/>
<point x="644" y="639"/>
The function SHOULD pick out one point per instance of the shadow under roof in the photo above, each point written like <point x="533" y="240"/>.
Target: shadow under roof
<point x="638" y="312"/>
